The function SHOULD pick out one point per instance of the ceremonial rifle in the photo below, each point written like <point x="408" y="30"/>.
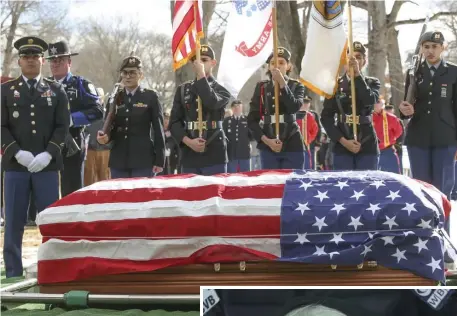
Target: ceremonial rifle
<point x="107" y="125"/>
<point x="411" y="94"/>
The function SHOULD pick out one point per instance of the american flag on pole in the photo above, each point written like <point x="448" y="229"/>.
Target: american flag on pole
<point x="337" y="218"/>
<point x="187" y="31"/>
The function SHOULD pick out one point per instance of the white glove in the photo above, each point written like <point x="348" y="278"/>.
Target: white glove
<point x="167" y="152"/>
<point x="40" y="162"/>
<point x="24" y="157"/>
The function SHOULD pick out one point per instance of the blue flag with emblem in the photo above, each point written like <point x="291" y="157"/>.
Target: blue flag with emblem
<point x="346" y="218"/>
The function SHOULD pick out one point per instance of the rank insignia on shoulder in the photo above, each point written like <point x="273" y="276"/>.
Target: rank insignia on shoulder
<point x="140" y="105"/>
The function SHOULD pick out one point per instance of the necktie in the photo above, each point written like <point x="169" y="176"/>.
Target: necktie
<point x="432" y="70"/>
<point x="130" y="97"/>
<point x="31" y="83"/>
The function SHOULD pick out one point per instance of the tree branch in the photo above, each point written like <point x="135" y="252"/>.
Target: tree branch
<point x="416" y="21"/>
<point x="360" y="4"/>
<point x="392" y="16"/>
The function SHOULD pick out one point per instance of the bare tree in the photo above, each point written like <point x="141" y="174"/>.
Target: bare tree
<point x="20" y="18"/>
<point x="451" y="23"/>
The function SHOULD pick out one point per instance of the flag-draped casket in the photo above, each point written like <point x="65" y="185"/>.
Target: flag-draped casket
<point x="326" y="218"/>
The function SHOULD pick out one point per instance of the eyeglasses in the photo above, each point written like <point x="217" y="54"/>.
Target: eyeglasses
<point x="132" y="73"/>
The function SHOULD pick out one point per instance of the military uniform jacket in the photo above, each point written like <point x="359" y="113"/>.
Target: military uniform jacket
<point x="262" y="108"/>
<point x="367" y="94"/>
<point x="131" y="131"/>
<point x="435" y="109"/>
<point x="35" y="123"/>
<point x="184" y="116"/>
<point x="84" y="99"/>
<point x="239" y="137"/>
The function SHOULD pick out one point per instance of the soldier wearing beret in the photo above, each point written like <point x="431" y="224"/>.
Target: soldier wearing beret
<point x="348" y="153"/>
<point x="85" y="108"/>
<point x="133" y="153"/>
<point x="239" y="139"/>
<point x="431" y="134"/>
<point x="206" y="155"/>
<point x="35" y="119"/>
<point x="287" y="151"/>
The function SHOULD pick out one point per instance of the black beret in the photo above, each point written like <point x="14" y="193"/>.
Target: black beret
<point x="30" y="45"/>
<point x="358" y="47"/>
<point x="131" y="61"/>
<point x="236" y="102"/>
<point x="435" y="37"/>
<point x="282" y="52"/>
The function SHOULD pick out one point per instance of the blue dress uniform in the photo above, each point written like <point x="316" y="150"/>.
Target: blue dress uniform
<point x="431" y="133"/>
<point x="85" y="108"/>
<point x="183" y="122"/>
<point x="262" y="106"/>
<point x="134" y="153"/>
<point x="340" y="105"/>
<point x="239" y="141"/>
<point x="35" y="119"/>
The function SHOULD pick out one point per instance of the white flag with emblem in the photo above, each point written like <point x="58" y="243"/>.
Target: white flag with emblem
<point x="326" y="46"/>
<point x="247" y="44"/>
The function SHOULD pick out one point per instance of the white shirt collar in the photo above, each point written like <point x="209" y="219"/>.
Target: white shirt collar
<point x="127" y="91"/>
<point x="37" y="78"/>
<point x="435" y="64"/>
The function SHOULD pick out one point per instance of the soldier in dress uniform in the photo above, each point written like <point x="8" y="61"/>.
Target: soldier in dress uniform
<point x="431" y="134"/>
<point x="348" y="153"/>
<point x="239" y="140"/>
<point x="205" y="155"/>
<point x="388" y="130"/>
<point x="134" y="154"/>
<point x="85" y="108"/>
<point x="287" y="151"/>
<point x="309" y="130"/>
<point x="172" y="151"/>
<point x="35" y="119"/>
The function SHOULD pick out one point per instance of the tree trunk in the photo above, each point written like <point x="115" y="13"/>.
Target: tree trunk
<point x="377" y="38"/>
<point x="396" y="76"/>
<point x="289" y="32"/>
<point x="16" y="8"/>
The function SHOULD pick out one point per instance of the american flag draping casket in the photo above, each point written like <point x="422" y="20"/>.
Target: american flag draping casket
<point x="336" y="218"/>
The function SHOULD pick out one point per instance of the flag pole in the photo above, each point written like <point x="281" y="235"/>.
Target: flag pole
<point x="275" y="60"/>
<point x="351" y="70"/>
<point x="197" y="57"/>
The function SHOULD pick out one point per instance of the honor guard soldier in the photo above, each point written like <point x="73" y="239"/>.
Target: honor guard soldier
<point x="348" y="153"/>
<point x="239" y="140"/>
<point x="287" y="151"/>
<point x="85" y="108"/>
<point x="388" y="129"/>
<point x="134" y="154"/>
<point x="309" y="130"/>
<point x="172" y="151"/>
<point x="35" y="119"/>
<point x="431" y="134"/>
<point x="205" y="155"/>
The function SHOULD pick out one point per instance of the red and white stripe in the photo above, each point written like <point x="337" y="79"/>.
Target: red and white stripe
<point x="122" y="226"/>
<point x="187" y="31"/>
